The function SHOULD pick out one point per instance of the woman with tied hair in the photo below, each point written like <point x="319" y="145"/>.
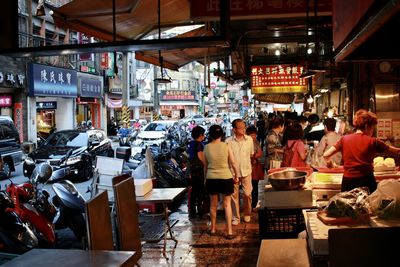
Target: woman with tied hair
<point x="218" y="157"/>
<point x="358" y="151"/>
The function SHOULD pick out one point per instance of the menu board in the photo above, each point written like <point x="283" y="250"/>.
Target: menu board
<point x="396" y="128"/>
<point x="384" y="129"/>
<point x="277" y="79"/>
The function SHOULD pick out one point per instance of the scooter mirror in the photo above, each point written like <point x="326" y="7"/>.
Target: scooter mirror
<point x="42" y="172"/>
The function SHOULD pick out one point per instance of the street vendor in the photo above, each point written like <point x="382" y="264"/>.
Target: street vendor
<point x="359" y="150"/>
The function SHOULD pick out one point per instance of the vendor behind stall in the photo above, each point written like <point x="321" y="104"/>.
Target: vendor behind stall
<point x="358" y="151"/>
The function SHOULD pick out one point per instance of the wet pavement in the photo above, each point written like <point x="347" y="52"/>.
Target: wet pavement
<point x="195" y="246"/>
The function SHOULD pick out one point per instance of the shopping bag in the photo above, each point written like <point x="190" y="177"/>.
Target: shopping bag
<point x="385" y="200"/>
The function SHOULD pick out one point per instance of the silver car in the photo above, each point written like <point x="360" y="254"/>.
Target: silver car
<point x="154" y="133"/>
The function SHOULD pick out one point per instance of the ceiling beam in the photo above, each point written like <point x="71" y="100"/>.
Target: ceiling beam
<point x="120" y="46"/>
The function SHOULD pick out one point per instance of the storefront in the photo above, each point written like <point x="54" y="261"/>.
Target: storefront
<point x="52" y="94"/>
<point x="12" y="92"/>
<point x="114" y="99"/>
<point x="88" y="103"/>
<point x="176" y="104"/>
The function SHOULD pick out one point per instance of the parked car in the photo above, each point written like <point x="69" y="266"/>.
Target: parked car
<point x="198" y="118"/>
<point x="154" y="133"/>
<point x="85" y="146"/>
<point x="10" y="145"/>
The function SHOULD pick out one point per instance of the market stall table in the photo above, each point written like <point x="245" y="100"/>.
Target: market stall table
<point x="163" y="196"/>
<point x="74" y="257"/>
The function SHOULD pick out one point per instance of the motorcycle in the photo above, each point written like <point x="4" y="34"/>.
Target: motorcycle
<point x="32" y="204"/>
<point x="15" y="236"/>
<point x="125" y="141"/>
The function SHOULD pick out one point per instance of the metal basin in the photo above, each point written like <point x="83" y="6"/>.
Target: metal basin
<point x="287" y="180"/>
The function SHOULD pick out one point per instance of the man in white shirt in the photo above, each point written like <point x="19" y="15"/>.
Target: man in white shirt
<point x="242" y="147"/>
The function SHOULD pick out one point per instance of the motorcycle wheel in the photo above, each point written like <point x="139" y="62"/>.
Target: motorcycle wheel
<point x="7" y="168"/>
<point x="78" y="226"/>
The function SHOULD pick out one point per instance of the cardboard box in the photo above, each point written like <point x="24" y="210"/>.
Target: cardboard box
<point x="143" y="186"/>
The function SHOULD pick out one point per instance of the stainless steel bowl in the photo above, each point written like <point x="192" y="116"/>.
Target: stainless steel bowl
<point x="287" y="179"/>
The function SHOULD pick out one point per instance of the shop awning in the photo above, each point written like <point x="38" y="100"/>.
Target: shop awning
<point x="176" y="58"/>
<point x="275" y="98"/>
<point x="133" y="19"/>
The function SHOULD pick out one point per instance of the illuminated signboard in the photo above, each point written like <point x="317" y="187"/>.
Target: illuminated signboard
<point x="174" y="95"/>
<point x="241" y="9"/>
<point x="5" y="101"/>
<point x="277" y="79"/>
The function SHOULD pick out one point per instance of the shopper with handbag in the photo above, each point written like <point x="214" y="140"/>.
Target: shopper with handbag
<point x="294" y="152"/>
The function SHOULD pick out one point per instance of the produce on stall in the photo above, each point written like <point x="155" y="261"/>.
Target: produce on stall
<point x="350" y="207"/>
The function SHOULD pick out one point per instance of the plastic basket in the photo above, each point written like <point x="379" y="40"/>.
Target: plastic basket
<point x="280" y="223"/>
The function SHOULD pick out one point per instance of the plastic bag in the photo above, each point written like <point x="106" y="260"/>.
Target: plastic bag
<point x="385" y="201"/>
<point x="353" y="204"/>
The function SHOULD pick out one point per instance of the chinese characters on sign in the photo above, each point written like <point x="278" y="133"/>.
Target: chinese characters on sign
<point x="46" y="105"/>
<point x="182" y="95"/>
<point x="265" y="8"/>
<point x="91" y="88"/>
<point x="12" y="79"/>
<point x="90" y="85"/>
<point x="52" y="81"/>
<point x="277" y="79"/>
<point x="5" y="101"/>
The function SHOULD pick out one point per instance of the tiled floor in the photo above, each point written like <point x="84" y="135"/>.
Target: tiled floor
<point x="196" y="248"/>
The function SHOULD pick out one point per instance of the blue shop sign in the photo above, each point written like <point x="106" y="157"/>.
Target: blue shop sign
<point x="90" y="86"/>
<point x="52" y="81"/>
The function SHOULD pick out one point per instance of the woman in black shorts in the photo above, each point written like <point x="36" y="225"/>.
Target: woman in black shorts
<point x="219" y="159"/>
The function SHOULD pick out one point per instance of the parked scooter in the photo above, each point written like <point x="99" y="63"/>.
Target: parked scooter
<point x="70" y="204"/>
<point x="32" y="204"/>
<point x="15" y="236"/>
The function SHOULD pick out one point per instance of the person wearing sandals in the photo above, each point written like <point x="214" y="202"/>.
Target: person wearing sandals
<point x="218" y="160"/>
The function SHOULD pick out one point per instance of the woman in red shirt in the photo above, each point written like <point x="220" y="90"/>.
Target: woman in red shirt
<point x="358" y="151"/>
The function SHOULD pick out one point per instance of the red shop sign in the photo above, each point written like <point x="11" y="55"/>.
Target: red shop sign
<point x="241" y="9"/>
<point x="5" y="101"/>
<point x="277" y="79"/>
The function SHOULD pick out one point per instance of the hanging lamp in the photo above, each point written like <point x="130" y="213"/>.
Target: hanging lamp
<point x="161" y="79"/>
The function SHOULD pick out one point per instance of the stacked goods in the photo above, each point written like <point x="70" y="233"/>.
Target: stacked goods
<point x="382" y="164"/>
